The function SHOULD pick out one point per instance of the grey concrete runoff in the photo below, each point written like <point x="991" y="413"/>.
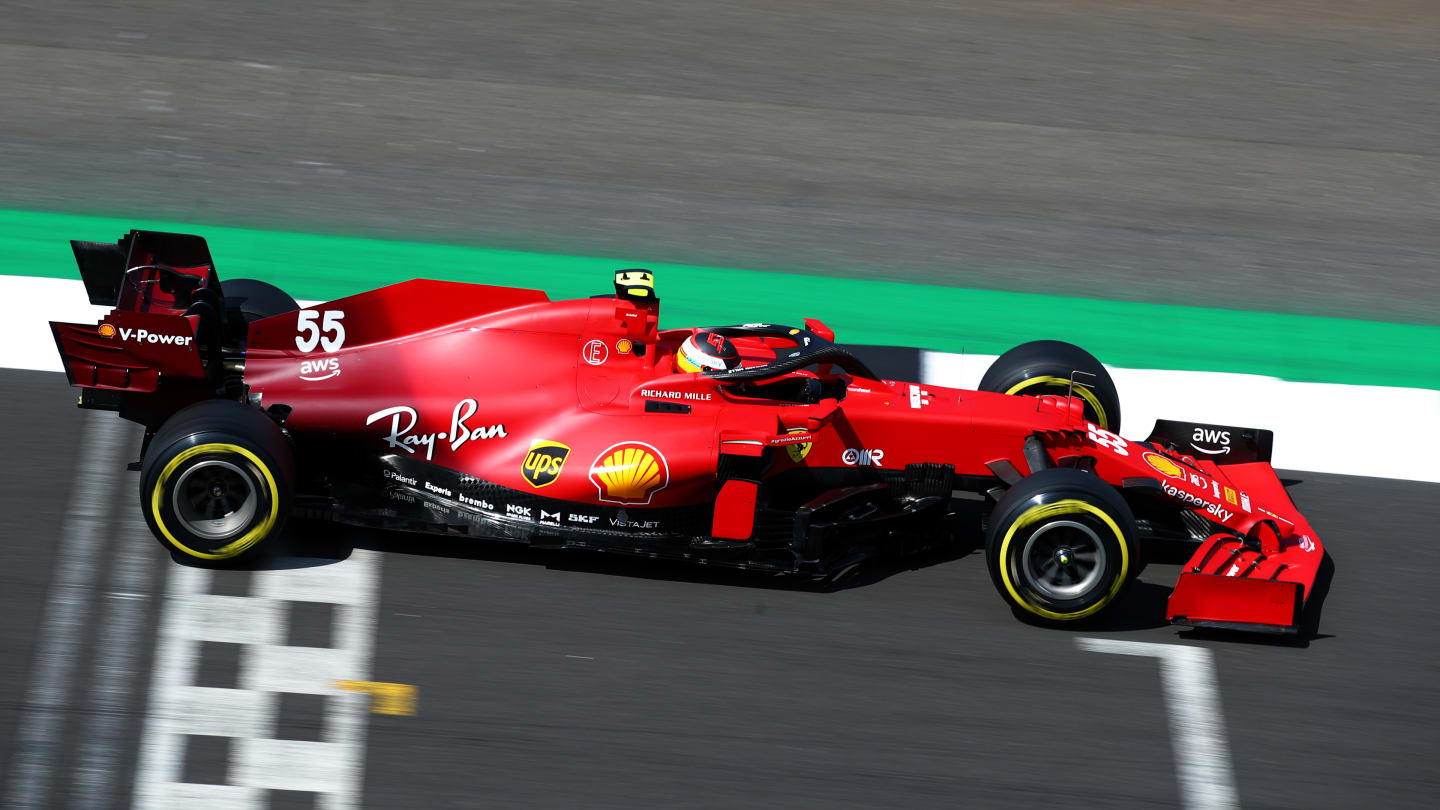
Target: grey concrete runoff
<point x="1278" y="157"/>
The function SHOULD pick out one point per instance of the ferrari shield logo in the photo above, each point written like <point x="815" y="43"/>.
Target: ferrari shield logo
<point x="544" y="462"/>
<point x="799" y="450"/>
<point x="629" y="473"/>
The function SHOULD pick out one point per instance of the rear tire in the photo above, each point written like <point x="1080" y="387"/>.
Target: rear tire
<point x="1061" y="546"/>
<point x="255" y="299"/>
<point x="1045" y="366"/>
<point x="216" y="482"/>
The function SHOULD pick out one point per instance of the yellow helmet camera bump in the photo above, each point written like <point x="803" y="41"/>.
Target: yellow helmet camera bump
<point x="636" y="284"/>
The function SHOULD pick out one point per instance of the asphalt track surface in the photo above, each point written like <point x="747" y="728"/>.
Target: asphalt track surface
<point x="564" y="680"/>
<point x="1277" y="157"/>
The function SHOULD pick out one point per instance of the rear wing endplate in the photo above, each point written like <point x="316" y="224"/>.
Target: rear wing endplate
<point x="104" y="265"/>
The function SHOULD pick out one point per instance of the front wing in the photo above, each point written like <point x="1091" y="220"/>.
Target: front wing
<point x="1259" y="581"/>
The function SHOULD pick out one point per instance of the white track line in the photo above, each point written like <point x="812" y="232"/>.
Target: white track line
<point x="121" y="633"/>
<point x="1319" y="427"/>
<point x="332" y="768"/>
<point x="88" y="516"/>
<point x="1197" y="724"/>
<point x="27" y="306"/>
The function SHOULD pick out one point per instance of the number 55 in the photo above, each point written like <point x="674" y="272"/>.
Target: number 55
<point x="312" y="333"/>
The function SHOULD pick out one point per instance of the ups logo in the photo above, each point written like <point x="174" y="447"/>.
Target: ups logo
<point x="544" y="462"/>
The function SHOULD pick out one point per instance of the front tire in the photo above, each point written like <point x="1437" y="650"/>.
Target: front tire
<point x="216" y="482"/>
<point x="1044" y="367"/>
<point x="1061" y="545"/>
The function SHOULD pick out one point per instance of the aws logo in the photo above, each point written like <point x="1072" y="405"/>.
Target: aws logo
<point x="322" y="369"/>
<point x="544" y="462"/>
<point x="629" y="473"/>
<point x="1211" y="436"/>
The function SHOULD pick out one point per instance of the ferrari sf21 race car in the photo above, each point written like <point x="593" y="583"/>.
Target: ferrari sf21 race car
<point x="494" y="412"/>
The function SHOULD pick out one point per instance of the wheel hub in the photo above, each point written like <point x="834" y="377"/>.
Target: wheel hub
<point x="1063" y="560"/>
<point x="215" y="499"/>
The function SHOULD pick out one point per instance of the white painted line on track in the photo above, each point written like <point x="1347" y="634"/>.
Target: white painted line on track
<point x="1364" y="430"/>
<point x="332" y="768"/>
<point x="122" y="629"/>
<point x="1197" y="723"/>
<point x="27" y="306"/>
<point x="88" y="517"/>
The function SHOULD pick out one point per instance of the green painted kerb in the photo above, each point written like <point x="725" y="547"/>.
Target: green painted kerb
<point x="876" y="312"/>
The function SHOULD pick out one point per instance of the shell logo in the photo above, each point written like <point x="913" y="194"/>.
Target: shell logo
<point x="106" y="330"/>
<point x="1164" y="466"/>
<point x="629" y="473"/>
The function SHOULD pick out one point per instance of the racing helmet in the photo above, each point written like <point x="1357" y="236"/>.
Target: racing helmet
<point x="705" y="350"/>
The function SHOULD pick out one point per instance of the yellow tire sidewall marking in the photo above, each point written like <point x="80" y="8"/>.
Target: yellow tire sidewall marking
<point x="1084" y="393"/>
<point x="1069" y="506"/>
<point x="238" y="546"/>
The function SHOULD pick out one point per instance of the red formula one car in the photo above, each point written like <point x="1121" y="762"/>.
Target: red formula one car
<point x="494" y="412"/>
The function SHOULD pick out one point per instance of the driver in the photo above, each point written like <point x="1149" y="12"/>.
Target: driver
<point x="707" y="351"/>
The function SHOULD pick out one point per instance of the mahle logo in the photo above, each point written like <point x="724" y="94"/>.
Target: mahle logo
<point x="544" y="462"/>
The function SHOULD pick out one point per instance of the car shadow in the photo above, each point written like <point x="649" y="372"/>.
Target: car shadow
<point x="636" y="566"/>
<point x="308" y="543"/>
<point x="1141" y="607"/>
<point x="298" y="547"/>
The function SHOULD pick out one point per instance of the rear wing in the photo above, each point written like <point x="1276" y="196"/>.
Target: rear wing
<point x="146" y="270"/>
<point x="167" y="321"/>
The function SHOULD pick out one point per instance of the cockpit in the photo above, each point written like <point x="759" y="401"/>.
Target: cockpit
<point x="754" y="360"/>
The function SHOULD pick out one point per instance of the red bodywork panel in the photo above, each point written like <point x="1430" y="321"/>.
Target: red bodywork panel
<point x="475" y="392"/>
<point x="735" y="510"/>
